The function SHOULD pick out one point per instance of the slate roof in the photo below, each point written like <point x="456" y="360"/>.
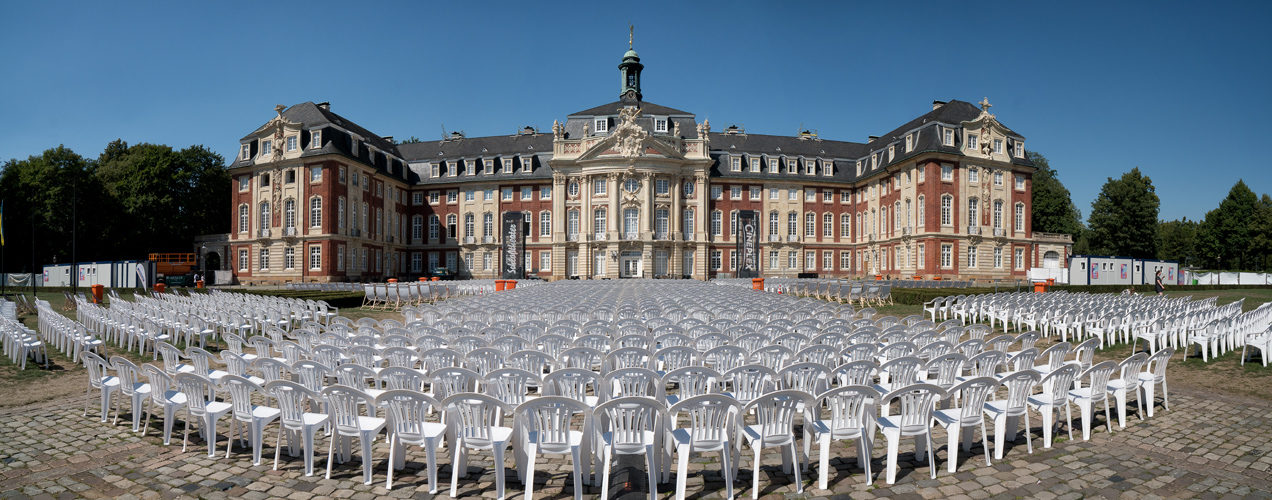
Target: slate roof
<point x="647" y="108"/>
<point x="313" y="116"/>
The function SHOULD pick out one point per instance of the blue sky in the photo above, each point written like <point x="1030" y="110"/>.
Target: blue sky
<point x="1179" y="90"/>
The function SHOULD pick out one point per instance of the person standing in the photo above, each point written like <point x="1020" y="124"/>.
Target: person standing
<point x="1160" y="287"/>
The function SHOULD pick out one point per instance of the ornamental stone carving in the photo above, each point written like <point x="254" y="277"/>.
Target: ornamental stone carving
<point x="630" y="137"/>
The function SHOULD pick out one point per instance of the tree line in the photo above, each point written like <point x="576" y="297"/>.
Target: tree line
<point x="1235" y="236"/>
<point x="128" y="202"/>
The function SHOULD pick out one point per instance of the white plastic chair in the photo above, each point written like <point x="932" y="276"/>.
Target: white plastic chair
<point x="162" y="395"/>
<point x="713" y="421"/>
<point x="547" y="421"/>
<point x="1055" y="394"/>
<point x="1006" y="413"/>
<point x="973" y="393"/>
<point x="247" y="415"/>
<point x="100" y="379"/>
<point x="407" y="410"/>
<point x="851" y="417"/>
<point x="630" y="426"/>
<point x="474" y="421"/>
<point x="775" y="426"/>
<point x="131" y="387"/>
<point x="299" y="425"/>
<point x="207" y="411"/>
<point x="1126" y="384"/>
<point x="342" y="406"/>
<point x="1154" y="375"/>
<point x="1095" y="392"/>
<point x="915" y="419"/>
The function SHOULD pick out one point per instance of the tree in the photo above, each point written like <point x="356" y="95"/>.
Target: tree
<point x="412" y="140"/>
<point x="1261" y="235"/>
<point x="1179" y="241"/>
<point x="1053" y="208"/>
<point x="54" y="201"/>
<point x="1123" y="219"/>
<point x="1226" y="234"/>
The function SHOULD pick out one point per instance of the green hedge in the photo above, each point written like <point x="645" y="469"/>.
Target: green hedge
<point x="918" y="296"/>
<point x="334" y="299"/>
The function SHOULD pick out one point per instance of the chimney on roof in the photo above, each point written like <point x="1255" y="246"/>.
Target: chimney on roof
<point x="870" y="139"/>
<point x="388" y="139"/>
<point x="325" y="105"/>
<point x="937" y="104"/>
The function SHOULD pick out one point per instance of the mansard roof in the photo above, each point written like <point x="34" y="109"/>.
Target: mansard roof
<point x="498" y="145"/>
<point x="313" y="116"/>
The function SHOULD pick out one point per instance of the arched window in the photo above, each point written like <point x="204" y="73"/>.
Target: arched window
<point x="1019" y="220"/>
<point x="973" y="205"/>
<point x="572" y="224"/>
<point x="244" y="223"/>
<point x="947" y="209"/>
<point x="909" y="219"/>
<point x="861" y="228"/>
<point x="921" y="223"/>
<point x="599" y="222"/>
<point x="340" y="213"/>
<point x="828" y="225"/>
<point x="716" y="222"/>
<point x="468" y="225"/>
<point x="451" y="221"/>
<point x="545" y="223"/>
<point x="289" y="214"/>
<point x="688" y="223"/>
<point x="487" y="224"/>
<point x="773" y="223"/>
<point x="662" y="224"/>
<point x="264" y="224"/>
<point x="417" y="228"/>
<point x="631" y="223"/>
<point x="998" y="214"/>
<point x="366" y="217"/>
<point x="845" y="226"/>
<point x="896" y="215"/>
<point x="315" y="212"/>
<point x="792" y="224"/>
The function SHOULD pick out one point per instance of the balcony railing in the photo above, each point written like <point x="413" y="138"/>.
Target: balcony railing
<point x="870" y="237"/>
<point x="572" y="237"/>
<point x="973" y="230"/>
<point x="906" y="231"/>
<point x="470" y="240"/>
<point x="600" y="237"/>
<point x="262" y="233"/>
<point x="775" y="237"/>
<point x="999" y="232"/>
<point x="661" y="235"/>
<point x="631" y="236"/>
<point x="390" y="238"/>
<point x="488" y="239"/>
<point x="688" y="235"/>
<point x="355" y="232"/>
<point x="290" y="231"/>
<point x="792" y="237"/>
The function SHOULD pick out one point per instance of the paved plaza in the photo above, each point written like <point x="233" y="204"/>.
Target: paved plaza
<point x="1213" y="447"/>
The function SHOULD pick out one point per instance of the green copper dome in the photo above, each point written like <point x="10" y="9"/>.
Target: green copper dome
<point x="631" y="54"/>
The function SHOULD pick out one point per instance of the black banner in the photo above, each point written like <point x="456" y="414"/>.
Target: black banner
<point x="514" y="245"/>
<point x="748" y="245"/>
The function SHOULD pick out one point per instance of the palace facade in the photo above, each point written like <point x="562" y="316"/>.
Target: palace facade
<point x="633" y="189"/>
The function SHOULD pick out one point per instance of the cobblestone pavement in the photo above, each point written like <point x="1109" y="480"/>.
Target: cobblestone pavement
<point x="1204" y="447"/>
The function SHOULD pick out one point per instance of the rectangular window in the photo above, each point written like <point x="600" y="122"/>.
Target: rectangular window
<point x="773" y="193"/>
<point x="947" y="172"/>
<point x="948" y="137"/>
<point x="244" y="183"/>
<point x="355" y="178"/>
<point x="735" y="192"/>
<point x="845" y="260"/>
<point x="717" y="192"/>
<point x="755" y="193"/>
<point x="452" y="196"/>
<point x="1020" y="183"/>
<point x="792" y="259"/>
<point x="602" y="125"/>
<point x="772" y="259"/>
<point x="289" y="258"/>
<point x="920" y="257"/>
<point x="264" y="259"/>
<point x="733" y="261"/>
<point x="527" y="193"/>
<point x="998" y="178"/>
<point x="1020" y="217"/>
<point x="998" y="257"/>
<point x="315" y="174"/>
<point x="599" y="187"/>
<point x="291" y="143"/>
<point x="267" y="147"/>
<point x="340" y="258"/>
<point x="716" y="223"/>
<point x="246" y="153"/>
<point x="715" y="260"/>
<point x="971" y="141"/>
<point x="1020" y="258"/>
<point x="436" y="170"/>
<point x="735" y="164"/>
<point x="545" y="260"/>
<point x="947" y="253"/>
<point x="973" y="175"/>
<point x="828" y="168"/>
<point x="660" y="125"/>
<point x="971" y="257"/>
<point x="810" y="195"/>
<point x="243" y="260"/>
<point x="810" y="260"/>
<point x="434" y="198"/>
<point x="507" y="194"/>
<point x="792" y="194"/>
<point x="755" y="165"/>
<point x="998" y="146"/>
<point x="828" y="260"/>
<point x="773" y="166"/>
<point x="507" y="166"/>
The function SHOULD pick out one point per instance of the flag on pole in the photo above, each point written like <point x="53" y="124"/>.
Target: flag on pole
<point x="1" y="223"/>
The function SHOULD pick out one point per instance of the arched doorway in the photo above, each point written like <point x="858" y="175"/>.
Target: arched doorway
<point x="1051" y="260"/>
<point x="212" y="261"/>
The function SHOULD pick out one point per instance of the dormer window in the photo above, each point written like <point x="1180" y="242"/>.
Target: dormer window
<point x="892" y="152"/>
<point x="755" y="165"/>
<point x="1020" y="149"/>
<point x="315" y="139"/>
<point x="490" y="166"/>
<point x="472" y="167"/>
<point x="998" y="146"/>
<point x="266" y="147"/>
<point x="437" y="170"/>
<point x="735" y="164"/>
<point x="859" y="171"/>
<point x="792" y="167"/>
<point x="527" y="164"/>
<point x="948" y="137"/>
<point x="602" y="125"/>
<point x="772" y="166"/>
<point x="828" y="167"/>
<point x="355" y="148"/>
<point x="874" y="161"/>
<point x="247" y="152"/>
<point x="507" y="166"/>
<point x="660" y="125"/>
<point x="909" y="143"/>
<point x="291" y="143"/>
<point x="971" y="141"/>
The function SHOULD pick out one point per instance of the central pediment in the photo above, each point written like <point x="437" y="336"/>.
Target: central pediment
<point x="629" y="140"/>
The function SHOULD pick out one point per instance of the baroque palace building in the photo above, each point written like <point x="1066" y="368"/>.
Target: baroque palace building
<point x="634" y="189"/>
